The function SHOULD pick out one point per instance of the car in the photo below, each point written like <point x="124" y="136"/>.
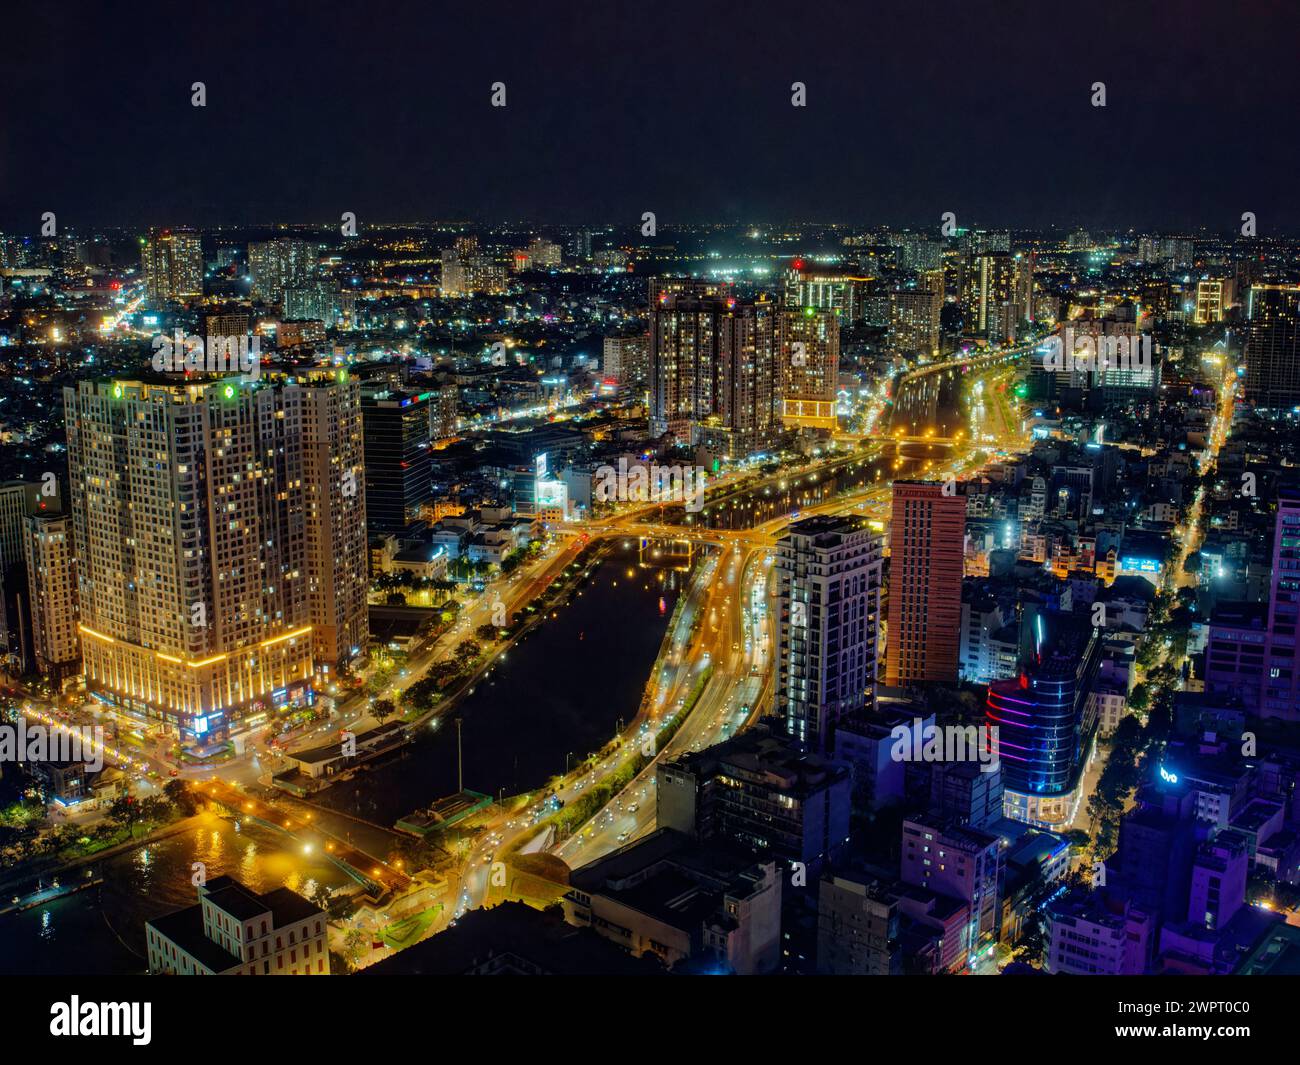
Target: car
<point x="622" y="836"/>
<point x="633" y="808"/>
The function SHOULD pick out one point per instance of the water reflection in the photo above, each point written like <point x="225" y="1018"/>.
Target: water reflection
<point x="101" y="930"/>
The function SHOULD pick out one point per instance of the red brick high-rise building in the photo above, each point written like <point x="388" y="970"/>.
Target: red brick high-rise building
<point x="927" y="547"/>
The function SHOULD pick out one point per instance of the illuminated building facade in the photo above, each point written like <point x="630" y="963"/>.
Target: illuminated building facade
<point x="960" y="862"/>
<point x="276" y="265"/>
<point x="827" y="288"/>
<point x="990" y="297"/>
<point x="234" y="931"/>
<point x="914" y="321"/>
<point x="444" y="409"/>
<point x="829" y="576"/>
<point x="809" y="360"/>
<point x="927" y="561"/>
<point x="172" y="261"/>
<point x="1213" y="296"/>
<point x="1044" y="719"/>
<point x="1280" y="683"/>
<point x="466" y="269"/>
<point x="626" y="360"/>
<point x="312" y="300"/>
<point x="19" y="500"/>
<point x="713" y="372"/>
<point x="334" y="476"/>
<point x="52" y="593"/>
<point x="188" y="509"/>
<point x="398" y="478"/>
<point x="661" y="288"/>
<point x="1273" y="347"/>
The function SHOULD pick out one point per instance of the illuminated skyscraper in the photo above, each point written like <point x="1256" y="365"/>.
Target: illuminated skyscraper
<point x="1213" y="297"/>
<point x="713" y="372"/>
<point x="927" y="537"/>
<point x="172" y="261"/>
<point x="19" y="501"/>
<point x="334" y="471"/>
<point x="1043" y="718"/>
<point x="827" y="288"/>
<point x="316" y="299"/>
<point x="990" y="297"/>
<point x="809" y="361"/>
<point x="543" y="254"/>
<point x="397" y="440"/>
<point x="626" y="359"/>
<point x="52" y="593"/>
<point x="1024" y="285"/>
<point x="914" y="321"/>
<point x="189" y="512"/>
<point x="1280" y="686"/>
<point x="444" y="410"/>
<point x="1273" y="347"/>
<point x="661" y="288"/>
<point x="917" y="252"/>
<point x="580" y="244"/>
<point x="276" y="265"/>
<point x="828" y="584"/>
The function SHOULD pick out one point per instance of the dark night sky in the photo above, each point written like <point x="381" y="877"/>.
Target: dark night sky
<point x="615" y="108"/>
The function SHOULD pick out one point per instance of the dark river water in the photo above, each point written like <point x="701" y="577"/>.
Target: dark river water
<point x="562" y="689"/>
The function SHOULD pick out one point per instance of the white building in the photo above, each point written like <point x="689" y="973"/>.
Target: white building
<point x="234" y="931"/>
<point x="829" y="580"/>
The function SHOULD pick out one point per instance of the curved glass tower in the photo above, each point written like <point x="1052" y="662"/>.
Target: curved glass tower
<point x="1042" y="720"/>
<point x="1038" y="730"/>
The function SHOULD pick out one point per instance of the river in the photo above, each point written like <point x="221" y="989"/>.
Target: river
<point x="563" y="688"/>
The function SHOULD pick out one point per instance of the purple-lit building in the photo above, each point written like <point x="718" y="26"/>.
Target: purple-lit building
<point x="1045" y="719"/>
<point x="1251" y="655"/>
<point x="1220" y="927"/>
<point x="958" y="862"/>
<point x="1089" y="934"/>
<point x="1280" y="684"/>
<point x="1218" y="882"/>
<point x="1158" y="842"/>
<point x="1234" y="659"/>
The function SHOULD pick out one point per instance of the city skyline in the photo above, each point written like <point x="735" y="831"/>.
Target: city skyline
<point x="650" y="491"/>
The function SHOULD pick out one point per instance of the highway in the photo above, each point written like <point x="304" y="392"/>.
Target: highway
<point x="740" y="687"/>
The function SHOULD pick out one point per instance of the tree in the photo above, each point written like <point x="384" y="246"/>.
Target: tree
<point x="422" y="694"/>
<point x="178" y="794"/>
<point x="124" y="812"/>
<point x="354" y="942"/>
<point x="486" y="633"/>
<point x="383" y="708"/>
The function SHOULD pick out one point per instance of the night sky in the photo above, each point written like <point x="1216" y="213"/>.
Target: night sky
<point x="615" y="108"/>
